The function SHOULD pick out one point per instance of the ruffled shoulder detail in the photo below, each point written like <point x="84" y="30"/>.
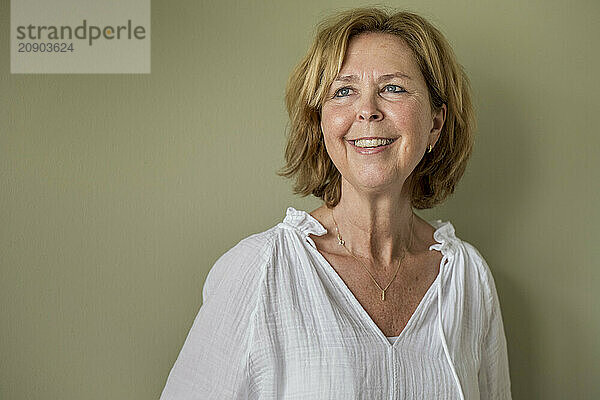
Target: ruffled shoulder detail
<point x="444" y="235"/>
<point x="304" y="222"/>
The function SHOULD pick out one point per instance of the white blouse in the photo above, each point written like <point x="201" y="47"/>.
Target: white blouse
<point x="277" y="322"/>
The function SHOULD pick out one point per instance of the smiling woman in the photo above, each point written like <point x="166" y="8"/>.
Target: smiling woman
<point x="382" y="113"/>
<point x="360" y="298"/>
<point x="426" y="59"/>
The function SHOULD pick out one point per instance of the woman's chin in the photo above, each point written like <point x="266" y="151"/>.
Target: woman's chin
<point x="375" y="182"/>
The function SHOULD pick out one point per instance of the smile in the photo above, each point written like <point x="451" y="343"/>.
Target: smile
<point x="371" y="145"/>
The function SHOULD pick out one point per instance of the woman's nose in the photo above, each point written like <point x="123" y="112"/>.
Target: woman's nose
<point x="369" y="111"/>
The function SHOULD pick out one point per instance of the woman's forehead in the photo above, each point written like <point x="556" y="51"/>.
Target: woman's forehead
<point x="378" y="54"/>
<point x="378" y="40"/>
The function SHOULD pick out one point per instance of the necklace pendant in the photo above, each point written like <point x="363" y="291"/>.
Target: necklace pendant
<point x="383" y="295"/>
<point x="340" y="241"/>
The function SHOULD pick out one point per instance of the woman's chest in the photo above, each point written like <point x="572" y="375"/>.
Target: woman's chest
<point x="322" y="325"/>
<point x="389" y="298"/>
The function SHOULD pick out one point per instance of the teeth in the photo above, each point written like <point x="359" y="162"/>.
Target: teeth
<point x="372" y="142"/>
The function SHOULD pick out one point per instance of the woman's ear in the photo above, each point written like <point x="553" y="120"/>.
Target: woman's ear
<point x="438" y="123"/>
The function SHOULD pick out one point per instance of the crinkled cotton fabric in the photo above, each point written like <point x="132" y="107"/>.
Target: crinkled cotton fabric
<point x="277" y="322"/>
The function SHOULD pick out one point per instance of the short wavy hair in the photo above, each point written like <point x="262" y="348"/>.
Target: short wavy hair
<point x="306" y="158"/>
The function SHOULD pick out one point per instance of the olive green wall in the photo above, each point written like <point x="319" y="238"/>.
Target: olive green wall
<point x="120" y="191"/>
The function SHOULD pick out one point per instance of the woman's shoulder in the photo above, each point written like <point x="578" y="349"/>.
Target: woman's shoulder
<point x="249" y="259"/>
<point x="242" y="264"/>
<point x="468" y="258"/>
<point x="476" y="268"/>
<point x="479" y="264"/>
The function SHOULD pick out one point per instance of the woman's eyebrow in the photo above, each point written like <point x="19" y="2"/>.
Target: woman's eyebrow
<point x="382" y="78"/>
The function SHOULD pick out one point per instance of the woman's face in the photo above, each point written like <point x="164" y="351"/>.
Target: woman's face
<point x="379" y="93"/>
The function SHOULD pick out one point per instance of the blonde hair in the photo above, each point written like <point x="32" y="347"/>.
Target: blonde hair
<point x="437" y="174"/>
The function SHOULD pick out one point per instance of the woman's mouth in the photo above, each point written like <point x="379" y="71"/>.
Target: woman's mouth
<point x="371" y="145"/>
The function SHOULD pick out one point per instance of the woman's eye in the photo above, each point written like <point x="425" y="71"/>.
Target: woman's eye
<point x="346" y="91"/>
<point x="394" y="89"/>
<point x="342" y="92"/>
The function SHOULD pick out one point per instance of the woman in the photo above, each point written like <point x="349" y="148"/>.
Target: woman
<point x="360" y="298"/>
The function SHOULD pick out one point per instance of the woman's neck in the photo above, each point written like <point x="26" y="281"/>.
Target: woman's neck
<point x="375" y="227"/>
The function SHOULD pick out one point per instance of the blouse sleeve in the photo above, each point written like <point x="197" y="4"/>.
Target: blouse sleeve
<point x="494" y="376"/>
<point x="214" y="360"/>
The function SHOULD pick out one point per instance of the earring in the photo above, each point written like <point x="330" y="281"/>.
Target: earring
<point x="429" y="149"/>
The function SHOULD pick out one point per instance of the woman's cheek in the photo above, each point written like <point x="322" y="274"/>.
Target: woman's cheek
<point x="340" y="122"/>
<point x="336" y="122"/>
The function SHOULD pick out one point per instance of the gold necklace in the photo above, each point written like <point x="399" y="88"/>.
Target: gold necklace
<point x="343" y="243"/>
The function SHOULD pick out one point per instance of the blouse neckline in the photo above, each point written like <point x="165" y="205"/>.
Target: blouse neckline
<point x="444" y="234"/>
<point x="445" y="238"/>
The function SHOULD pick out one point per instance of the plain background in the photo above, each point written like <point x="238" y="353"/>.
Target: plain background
<point x="119" y="192"/>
